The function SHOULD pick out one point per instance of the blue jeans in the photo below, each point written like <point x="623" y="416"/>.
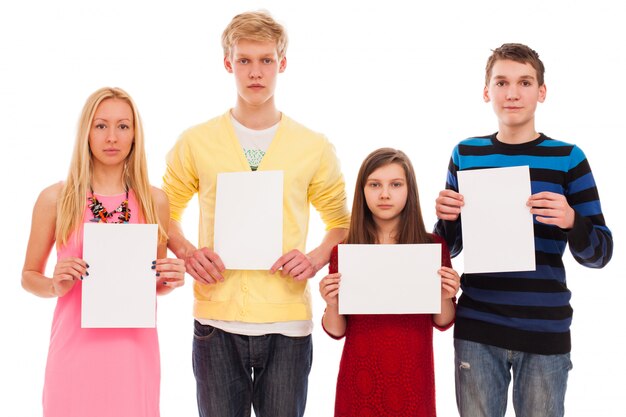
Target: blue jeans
<point x="483" y="373"/>
<point x="234" y="372"/>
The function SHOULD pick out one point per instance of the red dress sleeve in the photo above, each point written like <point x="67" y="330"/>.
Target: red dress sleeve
<point x="333" y="267"/>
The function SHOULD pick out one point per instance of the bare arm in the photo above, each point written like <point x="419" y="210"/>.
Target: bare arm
<point x="40" y="243"/>
<point x="204" y="265"/>
<point x="170" y="272"/>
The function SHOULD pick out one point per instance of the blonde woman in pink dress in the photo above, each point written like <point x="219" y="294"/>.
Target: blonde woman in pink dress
<point x="98" y="372"/>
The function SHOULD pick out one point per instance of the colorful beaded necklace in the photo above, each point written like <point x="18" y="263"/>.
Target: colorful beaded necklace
<point x="101" y="215"/>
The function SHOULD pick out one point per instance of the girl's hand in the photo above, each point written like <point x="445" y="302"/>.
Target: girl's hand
<point x="450" y="282"/>
<point x="66" y="272"/>
<point x="329" y="289"/>
<point x="170" y="272"/>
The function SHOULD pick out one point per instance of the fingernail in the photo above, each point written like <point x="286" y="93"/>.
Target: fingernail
<point x="158" y="274"/>
<point x="164" y="282"/>
<point x="87" y="265"/>
<point x="81" y="277"/>
<point x="87" y="273"/>
<point x="153" y="262"/>
<point x="153" y="266"/>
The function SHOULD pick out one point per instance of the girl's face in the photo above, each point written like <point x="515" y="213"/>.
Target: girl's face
<point x="112" y="132"/>
<point x="386" y="192"/>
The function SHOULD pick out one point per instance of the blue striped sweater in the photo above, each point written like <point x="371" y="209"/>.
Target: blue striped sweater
<point x="530" y="311"/>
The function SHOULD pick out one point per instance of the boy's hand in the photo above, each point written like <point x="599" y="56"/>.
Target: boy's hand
<point x="295" y="264"/>
<point x="448" y="205"/>
<point x="552" y="208"/>
<point x="205" y="266"/>
<point x="329" y="289"/>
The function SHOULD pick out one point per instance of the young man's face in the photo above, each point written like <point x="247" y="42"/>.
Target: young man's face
<point x="514" y="93"/>
<point x="255" y="65"/>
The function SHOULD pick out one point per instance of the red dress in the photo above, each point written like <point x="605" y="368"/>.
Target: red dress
<point x="387" y="366"/>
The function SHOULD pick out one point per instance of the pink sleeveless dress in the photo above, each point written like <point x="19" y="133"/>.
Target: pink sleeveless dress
<point x="99" y="372"/>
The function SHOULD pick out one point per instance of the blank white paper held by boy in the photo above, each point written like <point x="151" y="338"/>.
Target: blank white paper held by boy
<point x="390" y="279"/>
<point x="496" y="223"/>
<point x="248" y="232"/>
<point x="120" y="290"/>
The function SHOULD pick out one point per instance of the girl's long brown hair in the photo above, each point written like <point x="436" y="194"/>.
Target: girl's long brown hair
<point x="411" y="226"/>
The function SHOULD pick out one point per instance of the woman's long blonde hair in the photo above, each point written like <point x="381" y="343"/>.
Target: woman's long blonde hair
<point x="73" y="198"/>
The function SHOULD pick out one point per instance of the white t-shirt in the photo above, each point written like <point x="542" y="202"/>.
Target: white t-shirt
<point x="254" y="142"/>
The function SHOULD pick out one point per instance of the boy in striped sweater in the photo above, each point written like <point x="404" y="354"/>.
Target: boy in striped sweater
<point x="519" y="321"/>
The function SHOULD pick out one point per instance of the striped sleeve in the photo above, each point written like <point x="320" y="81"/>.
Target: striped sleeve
<point x="590" y="240"/>
<point x="450" y="231"/>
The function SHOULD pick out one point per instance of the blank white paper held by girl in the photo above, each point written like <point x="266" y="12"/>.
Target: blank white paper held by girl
<point x="390" y="279"/>
<point x="497" y="225"/>
<point x="249" y="219"/>
<point x="120" y="290"/>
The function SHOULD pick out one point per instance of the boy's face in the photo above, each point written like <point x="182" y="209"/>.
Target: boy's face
<point x="255" y="65"/>
<point x="514" y="93"/>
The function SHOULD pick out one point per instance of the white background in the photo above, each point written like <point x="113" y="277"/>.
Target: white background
<point x="367" y="74"/>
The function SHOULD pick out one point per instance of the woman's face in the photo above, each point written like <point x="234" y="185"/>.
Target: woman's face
<point x="112" y="132"/>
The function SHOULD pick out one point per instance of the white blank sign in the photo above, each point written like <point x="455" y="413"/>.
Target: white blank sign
<point x="497" y="225"/>
<point x="120" y="290"/>
<point x="249" y="219"/>
<point x="390" y="279"/>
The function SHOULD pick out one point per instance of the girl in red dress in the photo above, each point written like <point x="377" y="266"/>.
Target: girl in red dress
<point x="387" y="366"/>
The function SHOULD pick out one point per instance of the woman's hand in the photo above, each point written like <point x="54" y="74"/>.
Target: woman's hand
<point x="66" y="272"/>
<point x="170" y="272"/>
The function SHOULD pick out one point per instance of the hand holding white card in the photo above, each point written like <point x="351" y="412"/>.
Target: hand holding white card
<point x="120" y="290"/>
<point x="497" y="225"/>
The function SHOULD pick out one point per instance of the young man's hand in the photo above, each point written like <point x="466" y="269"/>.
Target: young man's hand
<point x="205" y="266"/>
<point x="552" y="208"/>
<point x="295" y="264"/>
<point x="448" y="205"/>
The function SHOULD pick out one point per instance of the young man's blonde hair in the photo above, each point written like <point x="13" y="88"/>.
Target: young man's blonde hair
<point x="519" y="53"/>
<point x="255" y="26"/>
<point x="73" y="198"/>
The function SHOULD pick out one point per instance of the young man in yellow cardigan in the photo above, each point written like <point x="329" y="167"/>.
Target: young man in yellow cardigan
<point x="252" y="342"/>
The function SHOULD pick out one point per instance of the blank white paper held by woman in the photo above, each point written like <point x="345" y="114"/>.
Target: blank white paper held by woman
<point x="120" y="290"/>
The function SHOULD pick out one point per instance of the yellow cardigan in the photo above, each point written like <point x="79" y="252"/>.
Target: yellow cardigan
<point x="311" y="175"/>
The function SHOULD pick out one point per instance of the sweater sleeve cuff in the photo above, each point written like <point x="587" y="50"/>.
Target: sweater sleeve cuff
<point x="578" y="235"/>
<point x="331" y="335"/>
<point x="447" y="326"/>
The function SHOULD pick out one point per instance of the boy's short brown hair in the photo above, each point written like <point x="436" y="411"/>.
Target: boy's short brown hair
<point x="256" y="26"/>
<point x="519" y="53"/>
